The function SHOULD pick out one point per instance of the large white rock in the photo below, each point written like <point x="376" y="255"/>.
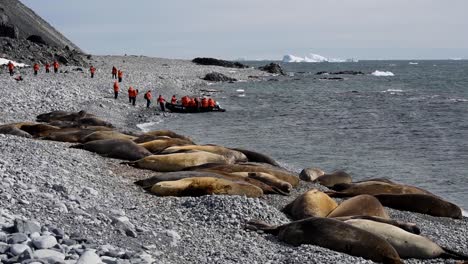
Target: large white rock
<point x="89" y="257"/>
<point x="48" y="254"/>
<point x="44" y="242"/>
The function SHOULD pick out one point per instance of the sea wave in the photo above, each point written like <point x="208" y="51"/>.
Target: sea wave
<point x="464" y="213"/>
<point x="383" y="73"/>
<point x="145" y="127"/>
<point x="393" y="91"/>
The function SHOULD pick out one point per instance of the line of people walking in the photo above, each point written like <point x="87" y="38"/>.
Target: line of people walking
<point x="36" y="67"/>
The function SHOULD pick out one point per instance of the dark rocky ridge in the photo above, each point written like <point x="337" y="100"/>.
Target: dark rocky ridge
<point x="216" y="62"/>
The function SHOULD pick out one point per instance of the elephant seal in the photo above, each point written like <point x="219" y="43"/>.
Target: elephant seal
<point x="334" y="235"/>
<point x="93" y="121"/>
<point x="160" y="144"/>
<point x="421" y="203"/>
<point x="177" y="161"/>
<point x="115" y="148"/>
<point x="310" y="174"/>
<point x="147" y="138"/>
<point x="167" y="133"/>
<point x="231" y="155"/>
<point x="360" y="205"/>
<point x="63" y="116"/>
<point x="334" y="178"/>
<point x="407" y="245"/>
<point x="253" y="156"/>
<point x="373" y="187"/>
<point x="39" y="130"/>
<point x="99" y="135"/>
<point x="269" y="179"/>
<point x="13" y="130"/>
<point x="312" y="203"/>
<point x="279" y="173"/>
<point x="205" y="186"/>
<point x="409" y="227"/>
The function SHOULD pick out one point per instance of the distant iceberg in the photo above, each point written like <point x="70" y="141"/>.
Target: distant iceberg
<point x="17" y="64"/>
<point x="383" y="73"/>
<point x="313" y="58"/>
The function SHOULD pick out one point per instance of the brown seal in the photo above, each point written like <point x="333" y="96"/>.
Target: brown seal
<point x="232" y="156"/>
<point x="14" y="130"/>
<point x="310" y="174"/>
<point x="115" y="148"/>
<point x="39" y="130"/>
<point x="253" y="156"/>
<point x="167" y="133"/>
<point x="205" y="186"/>
<point x="360" y="205"/>
<point x="99" y="135"/>
<point x="334" y="178"/>
<point x="421" y="203"/>
<point x="160" y="144"/>
<point x="313" y="203"/>
<point x="332" y="234"/>
<point x="374" y="187"/>
<point x="62" y="116"/>
<point x="409" y="227"/>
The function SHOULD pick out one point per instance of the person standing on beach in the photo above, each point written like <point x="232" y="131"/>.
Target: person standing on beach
<point x="174" y="100"/>
<point x="36" y="68"/>
<point x="47" y="67"/>
<point x="161" y="103"/>
<point x="92" y="70"/>
<point x="56" y="66"/>
<point x="114" y="72"/>
<point x="116" y="89"/>
<point x="148" y="98"/>
<point x="120" y="74"/>
<point x="11" y="68"/>
<point x="132" y="94"/>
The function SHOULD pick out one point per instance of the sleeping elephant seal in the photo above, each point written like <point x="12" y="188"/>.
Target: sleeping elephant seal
<point x="39" y="130"/>
<point x="99" y="135"/>
<point x="421" y="203"/>
<point x="313" y="203"/>
<point x="269" y="179"/>
<point x="334" y="235"/>
<point x="374" y="187"/>
<point x="311" y="174"/>
<point x="71" y="135"/>
<point x="277" y="172"/>
<point x="205" y="186"/>
<point x="13" y="130"/>
<point x="231" y="155"/>
<point x="253" y="156"/>
<point x="408" y="227"/>
<point x="115" y="148"/>
<point x="167" y="133"/>
<point x="407" y="245"/>
<point x="160" y="144"/>
<point x="177" y="161"/>
<point x="334" y="178"/>
<point x="62" y="116"/>
<point x="360" y="205"/>
<point x="93" y="121"/>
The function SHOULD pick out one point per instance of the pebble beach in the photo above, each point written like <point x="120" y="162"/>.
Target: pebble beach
<point x="75" y="206"/>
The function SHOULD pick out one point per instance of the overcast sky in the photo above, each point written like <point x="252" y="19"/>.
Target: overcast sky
<point x="263" y="29"/>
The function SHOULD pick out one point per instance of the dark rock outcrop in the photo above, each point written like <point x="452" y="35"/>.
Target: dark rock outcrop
<point x="274" y="68"/>
<point x="218" y="77"/>
<point x="216" y="62"/>
<point x="37" y="39"/>
<point x="9" y="31"/>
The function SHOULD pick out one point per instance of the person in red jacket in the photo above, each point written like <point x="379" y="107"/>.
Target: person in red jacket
<point x="47" y="67"/>
<point x="36" y="68"/>
<point x="211" y="103"/>
<point x="204" y="103"/>
<point x="120" y="74"/>
<point x="56" y="66"/>
<point x="132" y="94"/>
<point x="185" y="101"/>
<point x="116" y="89"/>
<point x="114" y="72"/>
<point x="174" y="100"/>
<point x="161" y="103"/>
<point x="148" y="98"/>
<point x="92" y="70"/>
<point x="11" y="68"/>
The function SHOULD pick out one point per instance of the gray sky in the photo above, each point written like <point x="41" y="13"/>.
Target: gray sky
<point x="264" y="29"/>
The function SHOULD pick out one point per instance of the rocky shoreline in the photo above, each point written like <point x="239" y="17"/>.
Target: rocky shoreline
<point x="81" y="196"/>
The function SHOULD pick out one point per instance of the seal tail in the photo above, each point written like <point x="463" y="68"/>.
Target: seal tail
<point x="256" y="225"/>
<point x="451" y="254"/>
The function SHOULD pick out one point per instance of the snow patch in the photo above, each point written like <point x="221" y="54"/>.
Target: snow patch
<point x="383" y="73"/>
<point x="4" y="61"/>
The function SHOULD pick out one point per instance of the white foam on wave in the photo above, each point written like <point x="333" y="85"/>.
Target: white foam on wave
<point x="240" y="90"/>
<point x="464" y="213"/>
<point x="393" y="91"/>
<point x="413" y="63"/>
<point x="4" y="61"/>
<point x="383" y="73"/>
<point x="145" y="127"/>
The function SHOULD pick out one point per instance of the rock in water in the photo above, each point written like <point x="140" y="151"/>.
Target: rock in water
<point x="273" y="68"/>
<point x="216" y="62"/>
<point x="218" y="77"/>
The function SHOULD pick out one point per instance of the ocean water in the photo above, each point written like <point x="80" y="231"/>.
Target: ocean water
<point x="411" y="127"/>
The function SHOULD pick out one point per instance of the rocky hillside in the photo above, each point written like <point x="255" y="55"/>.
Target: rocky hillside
<point x="28" y="38"/>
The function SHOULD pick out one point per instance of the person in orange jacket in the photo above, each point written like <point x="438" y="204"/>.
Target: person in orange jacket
<point x="92" y="70"/>
<point x="47" y="67"/>
<point x="132" y="94"/>
<point x="192" y="102"/>
<point x="56" y="66"/>
<point x="185" y="101"/>
<point x="148" y="98"/>
<point x="114" y="72"/>
<point x="204" y="103"/>
<point x="11" y="68"/>
<point x="116" y="89"/>
<point x="161" y="101"/>
<point x="174" y="100"/>
<point x="211" y="103"/>
<point x="36" y="68"/>
<point x="120" y="75"/>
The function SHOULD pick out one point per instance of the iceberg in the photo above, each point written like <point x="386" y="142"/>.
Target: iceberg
<point x="4" y="61"/>
<point x="383" y="73"/>
<point x="313" y="58"/>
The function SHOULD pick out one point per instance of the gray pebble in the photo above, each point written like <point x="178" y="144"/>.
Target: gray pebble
<point x="44" y="242"/>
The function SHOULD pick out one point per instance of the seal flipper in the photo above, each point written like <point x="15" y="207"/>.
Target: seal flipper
<point x="451" y="254"/>
<point x="78" y="146"/>
<point x="256" y="225"/>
